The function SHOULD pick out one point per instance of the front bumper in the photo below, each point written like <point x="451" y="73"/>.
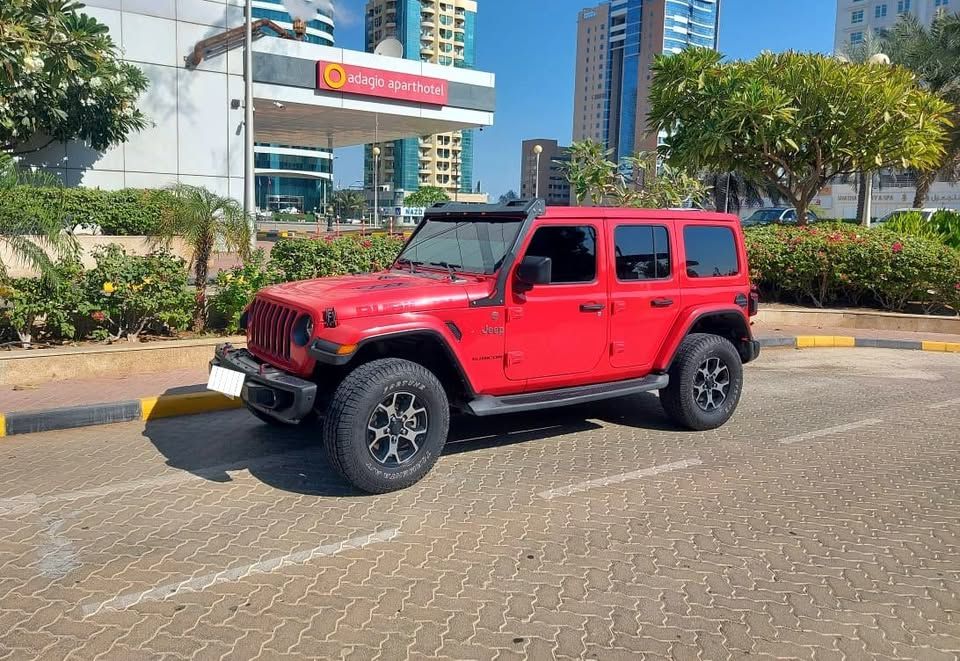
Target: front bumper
<point x="266" y="388"/>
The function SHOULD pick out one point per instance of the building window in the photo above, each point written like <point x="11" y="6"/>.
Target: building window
<point x="880" y="11"/>
<point x="941" y="3"/>
<point x="857" y="16"/>
<point x="856" y="37"/>
<point x="903" y="6"/>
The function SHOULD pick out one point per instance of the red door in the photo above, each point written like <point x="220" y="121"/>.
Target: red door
<point x="560" y="328"/>
<point x="644" y="292"/>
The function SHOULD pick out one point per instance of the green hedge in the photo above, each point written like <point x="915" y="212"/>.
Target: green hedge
<point x="130" y="211"/>
<point x="302" y="259"/>
<point x="833" y="264"/>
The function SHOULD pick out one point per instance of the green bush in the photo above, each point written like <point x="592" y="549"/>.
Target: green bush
<point x="237" y="287"/>
<point x="831" y="264"/>
<point x="302" y="259"/>
<point x="947" y="224"/>
<point x="129" y="211"/>
<point x="45" y="310"/>
<point x="128" y="294"/>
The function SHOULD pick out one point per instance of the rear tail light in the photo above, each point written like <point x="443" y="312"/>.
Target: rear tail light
<point x="754" y="307"/>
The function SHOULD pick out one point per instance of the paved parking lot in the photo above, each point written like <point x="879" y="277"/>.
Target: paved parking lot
<point x="823" y="522"/>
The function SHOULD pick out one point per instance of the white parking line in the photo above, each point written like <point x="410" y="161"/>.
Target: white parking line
<point x="199" y="583"/>
<point x="806" y="436"/>
<point x="616" y="479"/>
<point x="29" y="502"/>
<point x="945" y="405"/>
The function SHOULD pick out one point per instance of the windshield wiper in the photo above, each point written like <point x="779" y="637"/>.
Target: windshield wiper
<point x="452" y="268"/>
<point x="413" y="264"/>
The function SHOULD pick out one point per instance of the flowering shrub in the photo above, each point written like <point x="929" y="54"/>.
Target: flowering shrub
<point x="127" y="294"/>
<point x="302" y="259"/>
<point x="827" y="264"/>
<point x="45" y="309"/>
<point x="237" y="287"/>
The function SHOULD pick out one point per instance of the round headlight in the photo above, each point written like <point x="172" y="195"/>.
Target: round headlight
<point x="302" y="330"/>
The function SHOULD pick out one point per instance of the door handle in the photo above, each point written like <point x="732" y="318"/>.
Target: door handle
<point x="592" y="307"/>
<point x="661" y="302"/>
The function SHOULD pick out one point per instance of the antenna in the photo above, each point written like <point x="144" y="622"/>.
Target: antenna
<point x="389" y="47"/>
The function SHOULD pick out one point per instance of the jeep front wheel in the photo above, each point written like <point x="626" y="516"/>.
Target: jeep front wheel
<point x="706" y="379"/>
<point x="386" y="425"/>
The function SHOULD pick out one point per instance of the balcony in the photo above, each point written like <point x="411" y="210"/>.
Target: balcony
<point x="427" y="21"/>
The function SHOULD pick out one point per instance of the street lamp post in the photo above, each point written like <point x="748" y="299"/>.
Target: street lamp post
<point x="376" y="186"/>
<point x="537" y="149"/>
<point x="877" y="59"/>
<point x="249" y="199"/>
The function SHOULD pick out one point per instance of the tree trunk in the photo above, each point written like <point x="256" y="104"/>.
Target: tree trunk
<point x="200" y="271"/>
<point x="862" y="197"/>
<point x="801" y="206"/>
<point x="924" y="183"/>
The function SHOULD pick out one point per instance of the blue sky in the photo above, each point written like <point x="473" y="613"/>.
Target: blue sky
<point x="531" y="45"/>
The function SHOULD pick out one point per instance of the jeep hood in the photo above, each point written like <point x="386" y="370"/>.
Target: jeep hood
<point x="379" y="293"/>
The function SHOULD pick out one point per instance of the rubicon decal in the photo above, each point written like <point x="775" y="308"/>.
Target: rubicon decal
<point x="349" y="79"/>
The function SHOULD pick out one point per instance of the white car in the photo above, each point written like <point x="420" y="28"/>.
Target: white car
<point x="926" y="214"/>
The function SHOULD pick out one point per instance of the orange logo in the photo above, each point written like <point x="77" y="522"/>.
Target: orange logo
<point x="334" y="76"/>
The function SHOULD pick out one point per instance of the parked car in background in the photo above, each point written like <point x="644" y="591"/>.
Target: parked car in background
<point x="926" y="214"/>
<point x="776" y="216"/>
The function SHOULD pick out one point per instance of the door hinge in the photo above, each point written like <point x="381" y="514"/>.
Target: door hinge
<point x="619" y="306"/>
<point x="617" y="347"/>
<point x="514" y="313"/>
<point x="514" y="357"/>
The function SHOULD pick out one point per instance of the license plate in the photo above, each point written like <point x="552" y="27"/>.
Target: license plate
<point x="225" y="381"/>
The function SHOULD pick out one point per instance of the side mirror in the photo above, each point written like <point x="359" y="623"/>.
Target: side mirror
<point x="535" y="270"/>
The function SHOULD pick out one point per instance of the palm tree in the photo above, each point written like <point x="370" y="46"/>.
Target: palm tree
<point x="35" y="237"/>
<point x="933" y="54"/>
<point x="731" y="191"/>
<point x="347" y="203"/>
<point x="208" y="223"/>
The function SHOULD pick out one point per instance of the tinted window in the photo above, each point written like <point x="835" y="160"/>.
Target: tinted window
<point x="473" y="245"/>
<point x="572" y="249"/>
<point x="643" y="252"/>
<point x="710" y="251"/>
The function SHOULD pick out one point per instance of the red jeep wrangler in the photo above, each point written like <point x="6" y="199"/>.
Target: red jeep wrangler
<point x="495" y="309"/>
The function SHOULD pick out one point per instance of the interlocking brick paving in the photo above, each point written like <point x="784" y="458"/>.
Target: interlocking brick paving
<point x="216" y="536"/>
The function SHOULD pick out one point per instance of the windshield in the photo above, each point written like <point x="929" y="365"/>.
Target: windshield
<point x="765" y="216"/>
<point x="464" y="244"/>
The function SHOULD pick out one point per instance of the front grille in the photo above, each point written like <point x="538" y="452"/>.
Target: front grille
<point x="270" y="326"/>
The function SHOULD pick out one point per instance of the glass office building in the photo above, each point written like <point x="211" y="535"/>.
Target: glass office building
<point x="616" y="46"/>
<point x="294" y="176"/>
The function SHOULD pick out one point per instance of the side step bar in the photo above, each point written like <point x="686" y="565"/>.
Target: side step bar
<point x="489" y="405"/>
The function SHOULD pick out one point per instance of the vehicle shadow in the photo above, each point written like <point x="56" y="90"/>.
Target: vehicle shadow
<point x="212" y="446"/>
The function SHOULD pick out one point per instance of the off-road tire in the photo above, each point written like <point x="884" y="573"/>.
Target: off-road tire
<point x="678" y="398"/>
<point x="348" y="415"/>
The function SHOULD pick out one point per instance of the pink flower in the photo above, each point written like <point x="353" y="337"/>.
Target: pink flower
<point x="957" y="286"/>
<point x="100" y="316"/>
<point x="366" y="243"/>
<point x="897" y="247"/>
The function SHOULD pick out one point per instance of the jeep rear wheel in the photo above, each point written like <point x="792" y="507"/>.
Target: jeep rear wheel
<point x="706" y="380"/>
<point x="386" y="425"/>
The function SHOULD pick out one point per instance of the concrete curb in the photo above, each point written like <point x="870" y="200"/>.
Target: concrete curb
<point x="844" y="341"/>
<point x="88" y="415"/>
<point x="168" y="406"/>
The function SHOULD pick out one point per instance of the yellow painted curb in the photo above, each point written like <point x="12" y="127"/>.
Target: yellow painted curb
<point x="948" y="347"/>
<point x="3" y="425"/>
<point x="168" y="406"/>
<point x="825" y="341"/>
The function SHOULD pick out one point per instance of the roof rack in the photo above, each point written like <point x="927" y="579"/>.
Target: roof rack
<point x="512" y="208"/>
